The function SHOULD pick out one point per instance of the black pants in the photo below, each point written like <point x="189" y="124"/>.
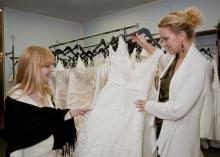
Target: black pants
<point x="159" y="125"/>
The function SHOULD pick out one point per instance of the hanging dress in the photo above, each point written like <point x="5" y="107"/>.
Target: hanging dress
<point x="115" y="128"/>
<point x="52" y="79"/>
<point x="216" y="91"/>
<point x="61" y="87"/>
<point x="207" y="121"/>
<point x="80" y="87"/>
<point x="102" y="71"/>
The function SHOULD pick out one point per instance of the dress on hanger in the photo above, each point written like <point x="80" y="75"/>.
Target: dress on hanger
<point x="61" y="87"/>
<point x="207" y="121"/>
<point x="52" y="78"/>
<point x="102" y="71"/>
<point x="216" y="91"/>
<point x="115" y="128"/>
<point x="80" y="87"/>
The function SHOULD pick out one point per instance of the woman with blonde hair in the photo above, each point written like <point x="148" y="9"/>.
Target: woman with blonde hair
<point x="33" y="125"/>
<point x="184" y="81"/>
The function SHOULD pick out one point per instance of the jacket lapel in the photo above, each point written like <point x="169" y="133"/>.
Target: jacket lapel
<point x="168" y="65"/>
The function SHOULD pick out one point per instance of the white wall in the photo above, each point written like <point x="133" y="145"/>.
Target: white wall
<point x="34" y="29"/>
<point x="31" y="28"/>
<point x="148" y="15"/>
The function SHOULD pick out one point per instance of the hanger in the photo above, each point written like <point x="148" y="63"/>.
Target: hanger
<point x="147" y="34"/>
<point x="113" y="39"/>
<point x="81" y="49"/>
<point x="73" y="55"/>
<point x="98" y="50"/>
<point x="58" y="52"/>
<point x="114" y="43"/>
<point x="104" y="51"/>
<point x="90" y="57"/>
<point x="64" y="61"/>
<point x="206" y="51"/>
<point x="68" y="49"/>
<point x="102" y="42"/>
<point x="82" y="55"/>
<point x="131" y="46"/>
<point x="75" y="47"/>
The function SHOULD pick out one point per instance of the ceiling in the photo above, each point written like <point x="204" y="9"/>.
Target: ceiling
<point x="79" y="11"/>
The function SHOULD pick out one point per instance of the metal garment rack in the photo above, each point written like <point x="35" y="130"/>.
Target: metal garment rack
<point x="13" y="58"/>
<point x="94" y="35"/>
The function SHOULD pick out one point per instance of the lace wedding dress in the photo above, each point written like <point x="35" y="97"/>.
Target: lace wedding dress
<point x="115" y="128"/>
<point x="80" y="88"/>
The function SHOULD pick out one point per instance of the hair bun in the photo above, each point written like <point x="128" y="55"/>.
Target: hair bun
<point x="193" y="16"/>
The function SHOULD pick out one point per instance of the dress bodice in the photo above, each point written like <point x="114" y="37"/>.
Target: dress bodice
<point x="80" y="91"/>
<point x="127" y="73"/>
<point x="82" y="73"/>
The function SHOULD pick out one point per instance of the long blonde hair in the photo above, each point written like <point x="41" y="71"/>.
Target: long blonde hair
<point x="186" y="20"/>
<point x="28" y="76"/>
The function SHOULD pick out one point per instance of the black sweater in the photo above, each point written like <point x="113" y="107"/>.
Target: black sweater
<point x="27" y="125"/>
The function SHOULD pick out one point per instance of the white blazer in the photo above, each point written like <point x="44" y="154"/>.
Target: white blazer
<point x="180" y="132"/>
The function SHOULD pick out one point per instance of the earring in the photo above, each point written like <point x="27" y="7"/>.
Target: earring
<point x="182" y="46"/>
<point x="183" y="50"/>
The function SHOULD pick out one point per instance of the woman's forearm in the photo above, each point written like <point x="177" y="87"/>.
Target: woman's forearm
<point x="140" y="40"/>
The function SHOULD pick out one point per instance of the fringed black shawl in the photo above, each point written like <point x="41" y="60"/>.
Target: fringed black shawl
<point x="27" y="125"/>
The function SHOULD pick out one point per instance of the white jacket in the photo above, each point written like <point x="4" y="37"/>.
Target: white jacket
<point x="180" y="132"/>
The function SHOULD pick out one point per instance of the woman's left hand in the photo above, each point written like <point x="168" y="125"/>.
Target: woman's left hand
<point x="140" y="104"/>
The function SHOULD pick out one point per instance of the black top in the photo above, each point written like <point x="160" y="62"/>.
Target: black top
<point x="165" y="82"/>
<point x="27" y="125"/>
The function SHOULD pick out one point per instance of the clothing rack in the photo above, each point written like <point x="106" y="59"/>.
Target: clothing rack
<point x="140" y="31"/>
<point x="94" y="35"/>
<point x="13" y="58"/>
<point x="90" y="46"/>
<point x="205" y="45"/>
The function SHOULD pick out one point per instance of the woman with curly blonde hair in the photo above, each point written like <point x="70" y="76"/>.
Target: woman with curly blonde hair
<point x="184" y="81"/>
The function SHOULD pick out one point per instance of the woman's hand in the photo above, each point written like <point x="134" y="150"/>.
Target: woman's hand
<point x="79" y="111"/>
<point x="140" y="104"/>
<point x="139" y="39"/>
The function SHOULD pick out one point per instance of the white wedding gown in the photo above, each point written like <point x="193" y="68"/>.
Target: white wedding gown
<point x="80" y="89"/>
<point x="115" y="128"/>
